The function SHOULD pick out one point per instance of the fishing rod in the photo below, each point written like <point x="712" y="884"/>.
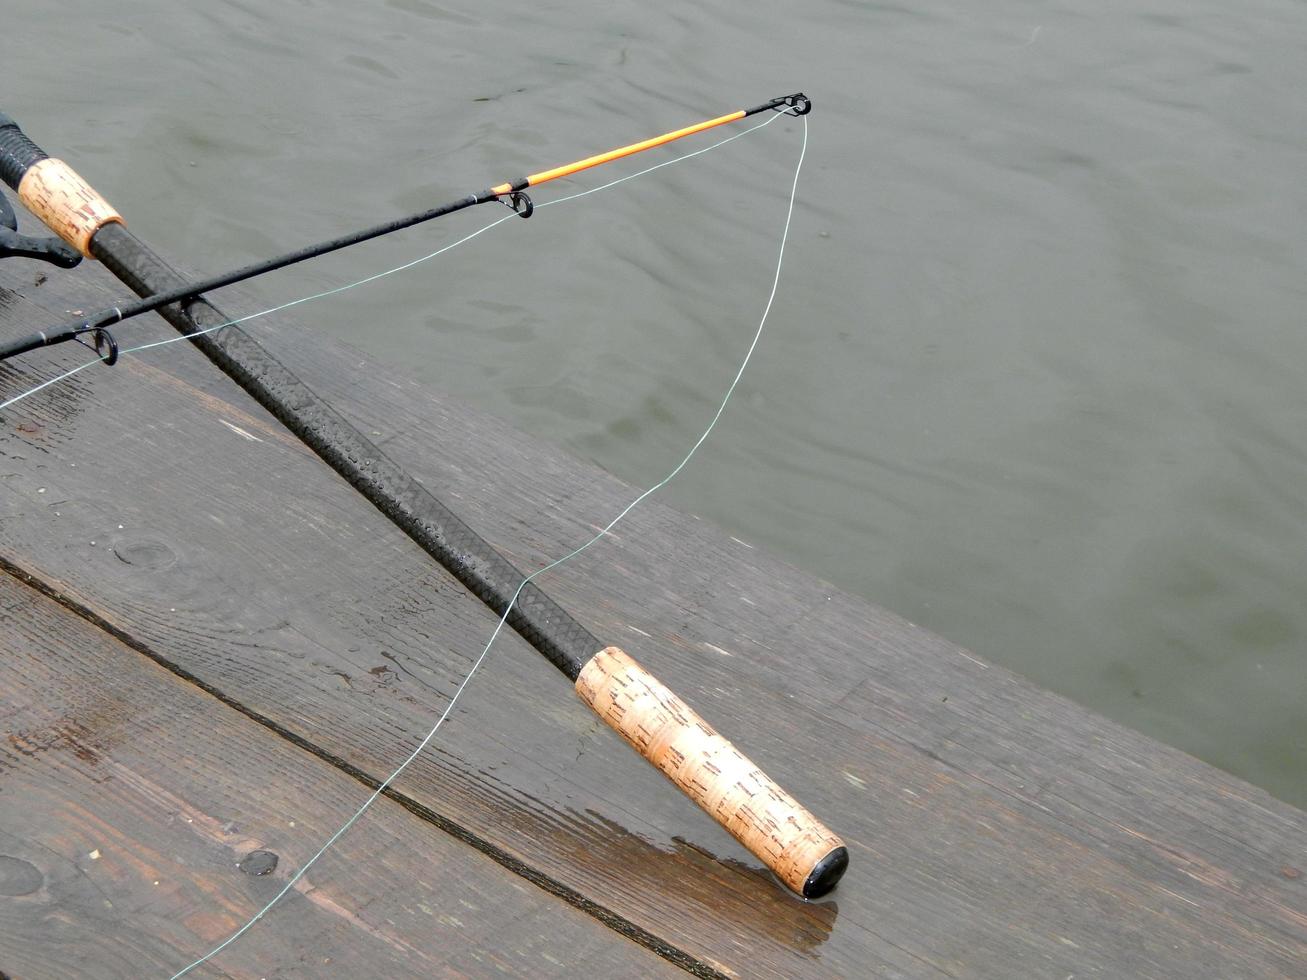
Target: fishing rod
<point x="53" y="191"/>
<point x="804" y="854"/>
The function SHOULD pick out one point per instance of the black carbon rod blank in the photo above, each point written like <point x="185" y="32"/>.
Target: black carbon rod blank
<point x="409" y="505"/>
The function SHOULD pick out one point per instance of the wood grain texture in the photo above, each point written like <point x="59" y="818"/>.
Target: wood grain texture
<point x="131" y="804"/>
<point x="706" y="767"/>
<point x="995" y="829"/>
<point x="65" y="203"/>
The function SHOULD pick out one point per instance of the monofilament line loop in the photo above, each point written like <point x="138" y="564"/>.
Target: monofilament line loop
<point x="426" y="740"/>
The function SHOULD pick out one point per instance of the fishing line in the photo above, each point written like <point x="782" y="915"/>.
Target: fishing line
<point x="389" y="272"/>
<point x="780" y="258"/>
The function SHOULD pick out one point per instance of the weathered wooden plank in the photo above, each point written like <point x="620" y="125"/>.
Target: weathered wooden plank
<point x="1033" y="779"/>
<point x="993" y="826"/>
<point x="1167" y="818"/>
<point x="357" y="633"/>
<point x="130" y="802"/>
<point x="324" y="633"/>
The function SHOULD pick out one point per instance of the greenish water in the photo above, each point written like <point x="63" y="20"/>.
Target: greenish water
<point x="1036" y="377"/>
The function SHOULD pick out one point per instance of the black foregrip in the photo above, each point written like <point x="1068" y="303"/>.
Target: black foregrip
<point x="17" y="152"/>
<point x="437" y="530"/>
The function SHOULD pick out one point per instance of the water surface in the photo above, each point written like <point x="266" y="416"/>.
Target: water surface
<point x="1035" y="376"/>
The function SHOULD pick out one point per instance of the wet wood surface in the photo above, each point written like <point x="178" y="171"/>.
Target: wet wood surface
<point x="142" y="821"/>
<point x="994" y="829"/>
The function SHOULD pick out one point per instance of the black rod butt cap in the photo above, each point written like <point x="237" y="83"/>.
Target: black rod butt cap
<point x="827" y="873"/>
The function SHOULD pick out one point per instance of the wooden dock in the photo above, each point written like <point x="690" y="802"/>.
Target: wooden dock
<point x="211" y="648"/>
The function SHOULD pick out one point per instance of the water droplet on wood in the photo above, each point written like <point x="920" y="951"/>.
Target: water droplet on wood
<point x="258" y="863"/>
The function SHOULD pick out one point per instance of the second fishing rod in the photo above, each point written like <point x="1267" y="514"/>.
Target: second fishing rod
<point x="67" y="204"/>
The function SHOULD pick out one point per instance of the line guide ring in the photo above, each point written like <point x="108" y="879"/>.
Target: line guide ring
<point x="521" y="203"/>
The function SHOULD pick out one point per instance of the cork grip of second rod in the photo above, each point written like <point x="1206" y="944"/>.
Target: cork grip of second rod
<point x="68" y="205"/>
<point x="802" y="852"/>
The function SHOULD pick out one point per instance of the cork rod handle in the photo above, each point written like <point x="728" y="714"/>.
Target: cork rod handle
<point x="802" y="852"/>
<point x="67" y="204"/>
